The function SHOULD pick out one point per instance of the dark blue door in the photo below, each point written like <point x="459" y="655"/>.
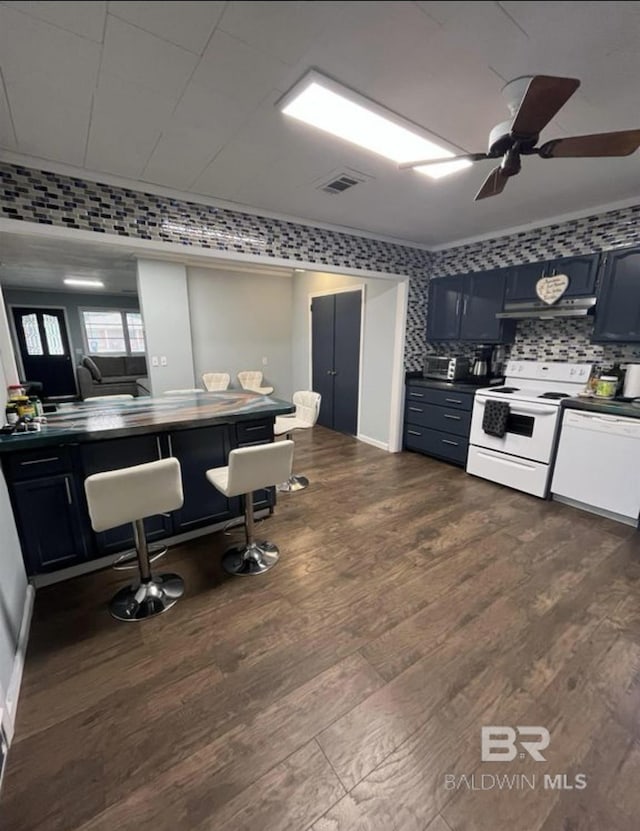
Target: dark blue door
<point x="335" y="354"/>
<point x="44" y="349"/>
<point x="618" y="306"/>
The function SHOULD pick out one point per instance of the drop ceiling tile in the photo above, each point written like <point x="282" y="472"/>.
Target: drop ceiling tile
<point x="36" y="55"/>
<point x="186" y="24"/>
<point x="181" y="154"/>
<point x="204" y="108"/>
<point x="120" y="147"/>
<point x="238" y="70"/>
<point x="145" y="59"/>
<point x="284" y="30"/>
<point x="85" y="19"/>
<point x="50" y="127"/>
<point x="121" y="100"/>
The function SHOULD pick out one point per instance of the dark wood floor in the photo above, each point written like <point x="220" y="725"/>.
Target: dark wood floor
<point x="412" y="605"/>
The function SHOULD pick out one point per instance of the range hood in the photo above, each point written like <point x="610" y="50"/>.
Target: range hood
<point x="571" y="307"/>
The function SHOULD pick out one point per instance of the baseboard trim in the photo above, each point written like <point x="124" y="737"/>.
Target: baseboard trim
<point x="381" y="445"/>
<point x="13" y="691"/>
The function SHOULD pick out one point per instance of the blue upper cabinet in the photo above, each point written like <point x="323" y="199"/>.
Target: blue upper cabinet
<point x="445" y="308"/>
<point x="581" y="270"/>
<point x="464" y="308"/>
<point x="618" y="306"/>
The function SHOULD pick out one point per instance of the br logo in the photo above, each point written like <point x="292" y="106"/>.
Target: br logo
<point x="503" y="744"/>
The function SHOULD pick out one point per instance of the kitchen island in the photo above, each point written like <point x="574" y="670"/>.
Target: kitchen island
<point x="45" y="470"/>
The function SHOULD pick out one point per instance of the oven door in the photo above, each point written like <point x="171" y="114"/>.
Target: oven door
<point x="531" y="430"/>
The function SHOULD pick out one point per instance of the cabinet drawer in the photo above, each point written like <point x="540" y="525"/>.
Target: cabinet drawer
<point x="436" y="443"/>
<point x="38" y="463"/>
<point x="443" y="398"/>
<point x="254" y="432"/>
<point x="445" y="419"/>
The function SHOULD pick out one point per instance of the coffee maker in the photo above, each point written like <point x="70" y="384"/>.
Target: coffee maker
<point x="481" y="368"/>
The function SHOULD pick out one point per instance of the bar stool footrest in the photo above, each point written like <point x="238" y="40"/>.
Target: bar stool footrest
<point x="128" y="560"/>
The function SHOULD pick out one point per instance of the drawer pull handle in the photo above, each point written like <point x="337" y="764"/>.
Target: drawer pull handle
<point x="66" y="484"/>
<point x="40" y="461"/>
<point x="170" y="445"/>
<point x="453" y="417"/>
<point x="416" y="394"/>
<point x="413" y="433"/>
<point x="259" y="427"/>
<point x="453" y="401"/>
<point x="159" y="449"/>
<point x="416" y="409"/>
<point x="448" y="441"/>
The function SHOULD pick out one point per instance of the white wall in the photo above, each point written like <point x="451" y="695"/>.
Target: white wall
<point x="13" y="578"/>
<point x="164" y="304"/>
<point x="239" y="318"/>
<point x="380" y="348"/>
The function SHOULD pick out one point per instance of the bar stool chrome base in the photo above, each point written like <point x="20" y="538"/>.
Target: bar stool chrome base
<point x="293" y="484"/>
<point x="250" y="559"/>
<point x="147" y="599"/>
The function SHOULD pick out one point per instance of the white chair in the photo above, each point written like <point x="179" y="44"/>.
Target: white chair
<point x="306" y="414"/>
<point x="252" y="381"/>
<point x="123" y="397"/>
<point x="249" y="469"/>
<point x="216" y="381"/>
<point x="193" y="391"/>
<point x="127" y="495"/>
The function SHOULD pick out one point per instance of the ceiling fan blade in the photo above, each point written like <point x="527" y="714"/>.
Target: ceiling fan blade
<point x="493" y="184"/>
<point x="544" y="96"/>
<point x="472" y="157"/>
<point x="623" y="143"/>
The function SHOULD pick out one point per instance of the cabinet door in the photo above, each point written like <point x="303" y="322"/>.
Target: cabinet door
<point x="111" y="455"/>
<point x="49" y="520"/>
<point x="618" y="307"/>
<point x="483" y="299"/>
<point x="199" y="450"/>
<point x="444" y="309"/>
<point x="522" y="279"/>
<point x="581" y="271"/>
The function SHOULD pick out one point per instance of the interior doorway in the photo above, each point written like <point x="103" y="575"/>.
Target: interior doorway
<point x="43" y="344"/>
<point x="336" y="327"/>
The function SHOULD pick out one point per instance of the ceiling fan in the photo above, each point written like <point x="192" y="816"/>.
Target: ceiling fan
<point x="533" y="101"/>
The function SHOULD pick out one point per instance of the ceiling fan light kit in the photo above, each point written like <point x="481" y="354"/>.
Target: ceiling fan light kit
<point x="533" y="101"/>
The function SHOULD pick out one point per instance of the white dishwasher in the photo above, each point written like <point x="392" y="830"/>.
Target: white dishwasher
<point x="598" y="464"/>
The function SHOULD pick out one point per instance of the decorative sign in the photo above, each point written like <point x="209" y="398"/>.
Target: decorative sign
<point x="551" y="289"/>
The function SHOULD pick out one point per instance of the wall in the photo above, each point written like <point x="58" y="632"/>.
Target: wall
<point x="566" y="340"/>
<point x="164" y="303"/>
<point x="72" y="302"/>
<point x="378" y="344"/>
<point x="13" y="579"/>
<point x="225" y="340"/>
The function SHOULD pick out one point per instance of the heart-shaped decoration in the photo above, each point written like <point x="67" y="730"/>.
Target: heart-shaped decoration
<point x="551" y="289"/>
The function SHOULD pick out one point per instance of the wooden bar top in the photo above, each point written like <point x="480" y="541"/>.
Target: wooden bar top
<point x="90" y="421"/>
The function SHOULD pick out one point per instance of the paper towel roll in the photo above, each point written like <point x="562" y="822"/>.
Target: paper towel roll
<point x="632" y="381"/>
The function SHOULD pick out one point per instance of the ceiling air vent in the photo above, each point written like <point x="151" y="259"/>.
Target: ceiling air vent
<point x="342" y="180"/>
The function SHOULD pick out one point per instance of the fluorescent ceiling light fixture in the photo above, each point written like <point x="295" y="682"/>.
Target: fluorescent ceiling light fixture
<point x="329" y="106"/>
<point x="87" y="284"/>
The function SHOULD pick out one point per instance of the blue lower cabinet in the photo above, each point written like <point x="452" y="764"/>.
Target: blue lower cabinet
<point x="437" y="421"/>
<point x="50" y="522"/>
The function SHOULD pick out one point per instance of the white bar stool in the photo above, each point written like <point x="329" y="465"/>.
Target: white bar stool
<point x="129" y="495"/>
<point x="252" y="381"/>
<point x="216" y="381"/>
<point x="306" y="414"/>
<point x="249" y="469"/>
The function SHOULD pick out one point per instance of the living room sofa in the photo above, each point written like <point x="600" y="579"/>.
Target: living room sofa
<point x="102" y="375"/>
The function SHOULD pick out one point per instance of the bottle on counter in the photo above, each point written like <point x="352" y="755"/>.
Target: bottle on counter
<point x="15" y="391"/>
<point x="11" y="413"/>
<point x="37" y="405"/>
<point x="24" y="406"/>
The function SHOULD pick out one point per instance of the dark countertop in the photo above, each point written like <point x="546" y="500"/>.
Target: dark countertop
<point x="86" y="421"/>
<point x="458" y="386"/>
<point x="596" y="405"/>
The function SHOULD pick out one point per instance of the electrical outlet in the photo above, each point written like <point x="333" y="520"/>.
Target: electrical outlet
<point x="155" y="361"/>
<point x="265" y="361"/>
<point x="163" y="360"/>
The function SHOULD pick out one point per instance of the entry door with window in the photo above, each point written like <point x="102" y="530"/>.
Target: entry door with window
<point x="335" y="357"/>
<point x="44" y="348"/>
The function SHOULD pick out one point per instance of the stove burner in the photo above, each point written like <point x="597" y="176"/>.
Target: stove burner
<point x="504" y="389"/>
<point x="554" y="395"/>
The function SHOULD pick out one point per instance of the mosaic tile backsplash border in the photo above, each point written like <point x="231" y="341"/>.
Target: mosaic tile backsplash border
<point x="53" y="199"/>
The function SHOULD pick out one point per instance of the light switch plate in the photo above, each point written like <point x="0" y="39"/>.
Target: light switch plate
<point x="155" y="361"/>
<point x="163" y="360"/>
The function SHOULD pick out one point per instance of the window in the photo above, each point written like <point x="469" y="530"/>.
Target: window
<point x="113" y="332"/>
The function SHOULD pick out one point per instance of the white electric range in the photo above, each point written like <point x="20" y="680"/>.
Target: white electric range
<point x="522" y="458"/>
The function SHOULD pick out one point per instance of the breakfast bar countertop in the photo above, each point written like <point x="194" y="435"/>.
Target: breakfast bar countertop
<point x="84" y="421"/>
